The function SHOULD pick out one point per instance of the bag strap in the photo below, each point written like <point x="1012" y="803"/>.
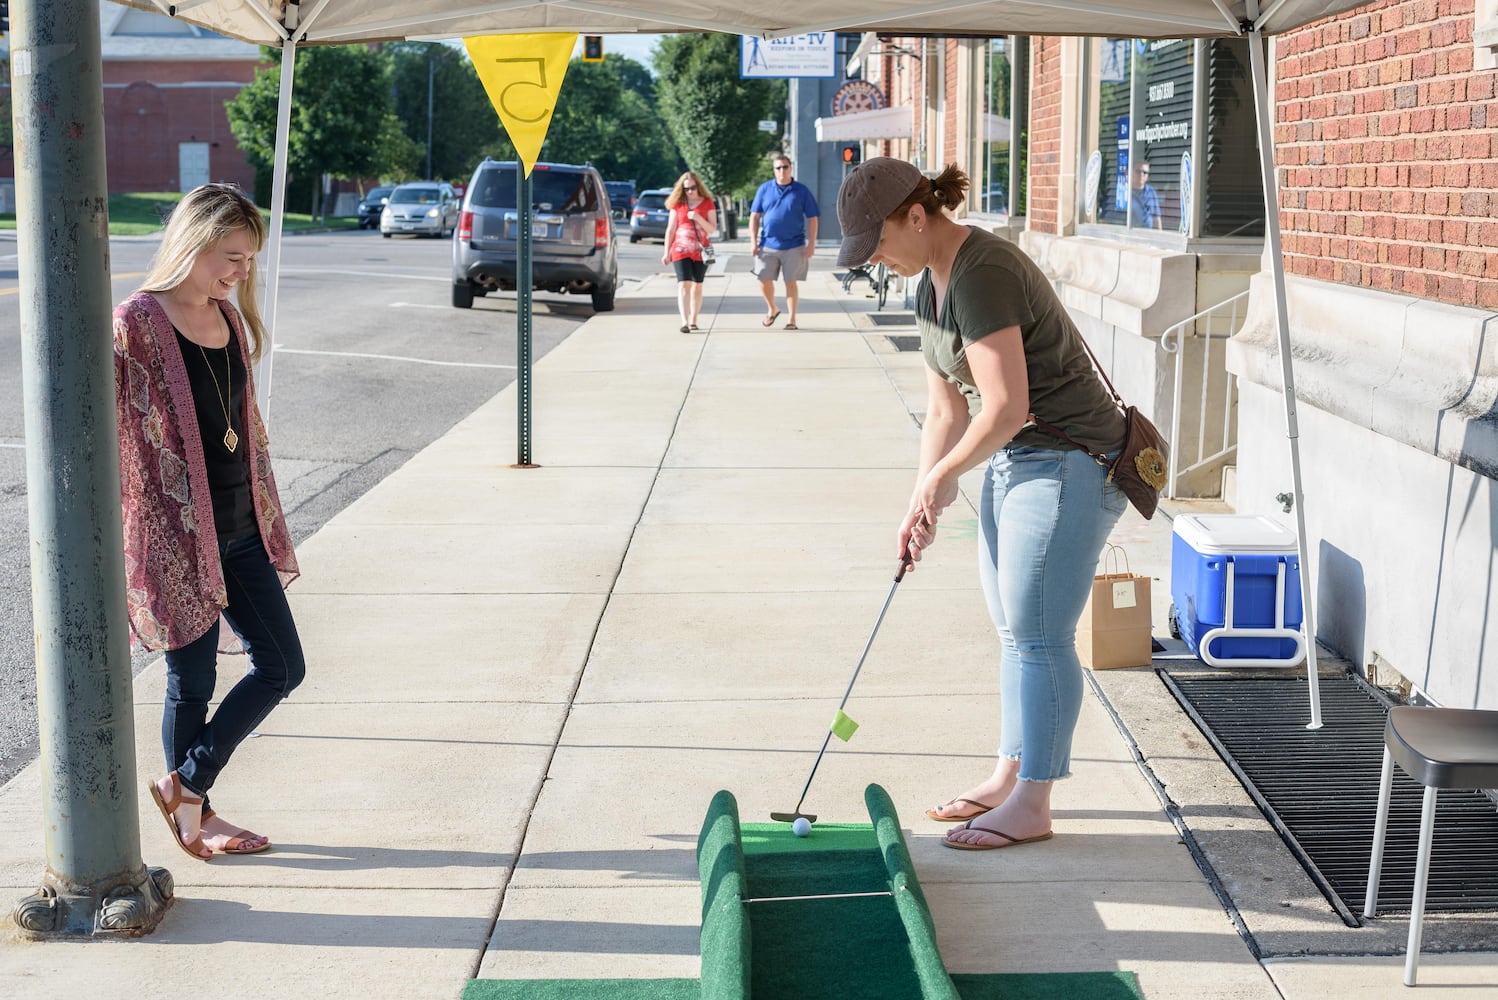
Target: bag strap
<point x="1114" y="553"/>
<point x="1052" y="428"/>
<point x="1097" y="367"/>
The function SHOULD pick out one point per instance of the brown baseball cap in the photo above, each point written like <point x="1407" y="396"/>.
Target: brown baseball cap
<point x="872" y="191"/>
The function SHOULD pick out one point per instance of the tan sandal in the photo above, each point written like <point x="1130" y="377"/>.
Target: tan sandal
<point x="233" y="842"/>
<point x="1007" y="841"/>
<point x="168" y="808"/>
<point x="979" y="809"/>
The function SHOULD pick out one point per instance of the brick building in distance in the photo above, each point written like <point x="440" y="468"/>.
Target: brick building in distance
<point x="165" y="86"/>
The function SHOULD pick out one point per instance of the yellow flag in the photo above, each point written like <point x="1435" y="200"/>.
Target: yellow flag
<point x="522" y="74"/>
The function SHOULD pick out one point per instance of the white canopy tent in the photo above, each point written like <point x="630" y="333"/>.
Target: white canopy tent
<point x="285" y="25"/>
<point x="860" y="126"/>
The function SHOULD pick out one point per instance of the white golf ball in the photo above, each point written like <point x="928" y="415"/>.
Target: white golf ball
<point x="801" y="827"/>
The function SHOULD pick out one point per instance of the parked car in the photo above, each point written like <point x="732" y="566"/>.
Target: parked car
<point x="650" y="216"/>
<point x="621" y="198"/>
<point x="421" y="207"/>
<point x="371" y="205"/>
<point x="572" y="236"/>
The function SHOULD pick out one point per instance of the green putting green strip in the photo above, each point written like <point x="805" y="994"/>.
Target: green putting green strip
<point x="777" y="838"/>
<point x="1047" y="986"/>
<point x="582" y="989"/>
<point x="910" y="901"/>
<point x="725" y="924"/>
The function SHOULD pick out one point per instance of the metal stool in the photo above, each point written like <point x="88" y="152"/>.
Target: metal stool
<point x="1440" y="748"/>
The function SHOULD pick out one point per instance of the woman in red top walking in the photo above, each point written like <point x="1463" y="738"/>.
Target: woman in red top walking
<point x="694" y="219"/>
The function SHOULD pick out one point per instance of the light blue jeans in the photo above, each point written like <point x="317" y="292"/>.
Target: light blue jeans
<point x="1044" y="517"/>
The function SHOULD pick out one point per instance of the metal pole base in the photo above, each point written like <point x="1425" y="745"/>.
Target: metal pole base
<point x="128" y="906"/>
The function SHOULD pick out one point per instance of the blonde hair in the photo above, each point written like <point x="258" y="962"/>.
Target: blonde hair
<point x="678" y="195"/>
<point x="203" y="217"/>
<point x="947" y="191"/>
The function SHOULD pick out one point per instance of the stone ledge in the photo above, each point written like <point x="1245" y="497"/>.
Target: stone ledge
<point x="1418" y="372"/>
<point x="1142" y="290"/>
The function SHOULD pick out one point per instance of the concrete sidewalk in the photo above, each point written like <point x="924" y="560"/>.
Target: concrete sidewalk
<point x="525" y="686"/>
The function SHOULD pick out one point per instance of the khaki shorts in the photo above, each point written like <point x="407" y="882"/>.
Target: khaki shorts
<point x="790" y="265"/>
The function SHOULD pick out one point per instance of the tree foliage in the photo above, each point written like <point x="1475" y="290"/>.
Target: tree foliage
<point x="335" y="129"/>
<point x="601" y="119"/>
<point x="713" y="114"/>
<point x="464" y="127"/>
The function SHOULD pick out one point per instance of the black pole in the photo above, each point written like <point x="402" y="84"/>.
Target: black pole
<point x="429" y="116"/>
<point x="523" y="316"/>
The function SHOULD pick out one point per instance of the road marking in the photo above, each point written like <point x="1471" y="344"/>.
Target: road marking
<point x="7" y="444"/>
<point x="416" y="305"/>
<point x="390" y="357"/>
<point x="112" y="277"/>
<point x="291" y="272"/>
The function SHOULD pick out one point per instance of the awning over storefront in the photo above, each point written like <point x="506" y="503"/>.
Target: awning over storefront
<point x="857" y="126"/>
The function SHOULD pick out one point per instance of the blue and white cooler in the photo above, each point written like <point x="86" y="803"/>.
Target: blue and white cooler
<point x="1235" y="590"/>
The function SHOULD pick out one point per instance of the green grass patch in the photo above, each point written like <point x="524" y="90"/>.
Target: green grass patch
<point x="142" y="213"/>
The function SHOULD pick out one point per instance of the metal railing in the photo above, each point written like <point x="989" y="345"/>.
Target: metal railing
<point x="1217" y="390"/>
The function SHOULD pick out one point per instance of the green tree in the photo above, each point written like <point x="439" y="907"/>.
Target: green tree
<point x="337" y="120"/>
<point x="464" y="127"/>
<point x="600" y="120"/>
<point x="713" y="114"/>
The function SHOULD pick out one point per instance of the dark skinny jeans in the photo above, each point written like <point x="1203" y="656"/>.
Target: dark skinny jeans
<point x="198" y="747"/>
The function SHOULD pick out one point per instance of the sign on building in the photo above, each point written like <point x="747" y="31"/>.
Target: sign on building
<point x="797" y="55"/>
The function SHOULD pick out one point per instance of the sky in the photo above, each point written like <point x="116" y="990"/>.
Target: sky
<point x="636" y="47"/>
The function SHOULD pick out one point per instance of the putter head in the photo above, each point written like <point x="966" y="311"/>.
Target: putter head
<point x="791" y="817"/>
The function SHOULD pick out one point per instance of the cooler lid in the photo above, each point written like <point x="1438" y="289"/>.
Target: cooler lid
<point x="1225" y="534"/>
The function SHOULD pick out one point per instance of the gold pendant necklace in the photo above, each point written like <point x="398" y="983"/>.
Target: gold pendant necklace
<point x="231" y="440"/>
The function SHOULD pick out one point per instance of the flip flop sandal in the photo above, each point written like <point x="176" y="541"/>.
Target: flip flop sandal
<point x="1009" y="841"/>
<point x="194" y="849"/>
<point x="236" y="840"/>
<point x="792" y="326"/>
<point x="935" y="813"/>
<point x="770" y="320"/>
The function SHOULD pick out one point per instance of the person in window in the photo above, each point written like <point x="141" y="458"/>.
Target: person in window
<point x="205" y="537"/>
<point x="1144" y="203"/>
<point x="993" y="330"/>
<point x="694" y="218"/>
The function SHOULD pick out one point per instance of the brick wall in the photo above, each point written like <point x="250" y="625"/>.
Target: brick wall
<point x="1045" y="135"/>
<point x="1388" y="167"/>
<point x="950" y="102"/>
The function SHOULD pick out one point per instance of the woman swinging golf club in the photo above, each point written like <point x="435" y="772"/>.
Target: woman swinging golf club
<point x="992" y="328"/>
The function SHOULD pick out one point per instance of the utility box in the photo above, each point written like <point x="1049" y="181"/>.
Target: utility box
<point x="1235" y="590"/>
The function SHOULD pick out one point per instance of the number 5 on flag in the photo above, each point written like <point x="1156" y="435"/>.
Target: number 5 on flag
<point x="522" y="74"/>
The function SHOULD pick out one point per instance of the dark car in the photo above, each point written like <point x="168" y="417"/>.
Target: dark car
<point x="650" y="216"/>
<point x="572" y="236"/>
<point x="621" y="198"/>
<point x="371" y="205"/>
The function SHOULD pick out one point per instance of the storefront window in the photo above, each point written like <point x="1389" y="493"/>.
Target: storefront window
<point x="1003" y="129"/>
<point x="1146" y="102"/>
<point x="1139" y="134"/>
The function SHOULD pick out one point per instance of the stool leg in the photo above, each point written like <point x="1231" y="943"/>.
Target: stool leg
<point x="1380" y="829"/>
<point x="1422" y="873"/>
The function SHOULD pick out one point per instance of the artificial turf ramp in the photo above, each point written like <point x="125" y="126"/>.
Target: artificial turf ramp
<point x="869" y="935"/>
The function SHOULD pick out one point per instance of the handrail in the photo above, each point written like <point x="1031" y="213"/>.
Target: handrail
<point x="1170" y="341"/>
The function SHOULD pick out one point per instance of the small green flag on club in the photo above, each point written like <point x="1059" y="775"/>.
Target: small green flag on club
<point x="843" y="727"/>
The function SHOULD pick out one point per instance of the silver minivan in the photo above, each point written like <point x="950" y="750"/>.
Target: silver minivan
<point x="422" y="208"/>
<point x="572" y="234"/>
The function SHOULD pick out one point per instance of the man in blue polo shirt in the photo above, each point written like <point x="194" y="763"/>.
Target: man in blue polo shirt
<point x="783" y="232"/>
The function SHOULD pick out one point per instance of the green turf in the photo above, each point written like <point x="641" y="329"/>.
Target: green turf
<point x="1048" y="986"/>
<point x="777" y="838"/>
<point x="725" y="924"/>
<point x="582" y="989"/>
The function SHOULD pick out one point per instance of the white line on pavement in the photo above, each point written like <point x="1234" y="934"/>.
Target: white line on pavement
<point x="290" y="272"/>
<point x="389" y="357"/>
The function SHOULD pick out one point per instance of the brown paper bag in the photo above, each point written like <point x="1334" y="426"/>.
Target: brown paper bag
<point x="1115" y="626"/>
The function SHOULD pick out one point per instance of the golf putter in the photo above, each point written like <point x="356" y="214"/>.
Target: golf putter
<point x="795" y="814"/>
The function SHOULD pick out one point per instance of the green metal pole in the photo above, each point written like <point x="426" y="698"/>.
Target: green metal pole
<point x="523" y="315"/>
<point x="95" y="882"/>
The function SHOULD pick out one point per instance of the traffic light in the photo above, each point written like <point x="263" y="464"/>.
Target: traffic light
<point x="4" y="18"/>
<point x="852" y="153"/>
<point x="592" y="48"/>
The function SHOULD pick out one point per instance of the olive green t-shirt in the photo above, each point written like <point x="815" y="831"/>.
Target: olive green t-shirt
<point x="995" y="285"/>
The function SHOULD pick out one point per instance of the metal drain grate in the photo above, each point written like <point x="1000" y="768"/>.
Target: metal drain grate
<point x="1320" y="791"/>
<point x="904" y="343"/>
<point x="891" y="318"/>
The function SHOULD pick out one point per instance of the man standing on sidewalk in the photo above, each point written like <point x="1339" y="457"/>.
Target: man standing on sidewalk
<point x="783" y="233"/>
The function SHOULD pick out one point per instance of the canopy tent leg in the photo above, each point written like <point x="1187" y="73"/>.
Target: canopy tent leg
<point x="1264" y="111"/>
<point x="271" y="273"/>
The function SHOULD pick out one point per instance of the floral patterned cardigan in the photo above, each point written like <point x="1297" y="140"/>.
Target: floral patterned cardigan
<point x="173" y="578"/>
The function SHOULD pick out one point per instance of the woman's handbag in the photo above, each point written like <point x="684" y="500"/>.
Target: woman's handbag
<point x="709" y="255"/>
<point x="1141" y="467"/>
